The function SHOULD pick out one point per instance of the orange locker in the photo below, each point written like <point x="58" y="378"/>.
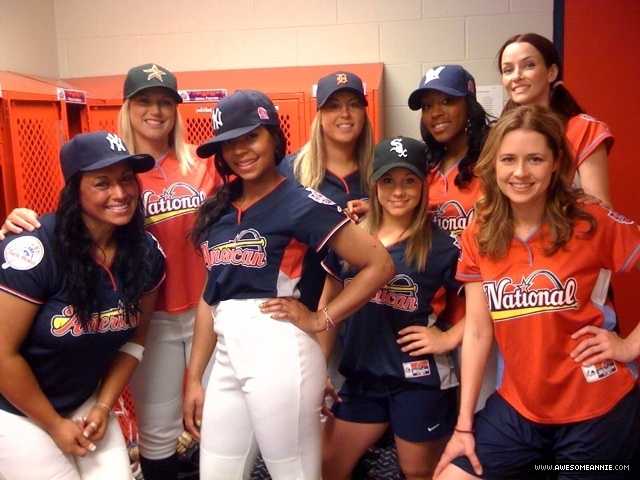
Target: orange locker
<point x="38" y="116"/>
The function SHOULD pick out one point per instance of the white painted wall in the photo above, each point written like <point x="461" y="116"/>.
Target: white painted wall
<point x="103" y="37"/>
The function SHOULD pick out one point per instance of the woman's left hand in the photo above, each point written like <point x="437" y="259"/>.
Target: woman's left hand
<point x="288" y="308"/>
<point x="420" y="340"/>
<point x="601" y="345"/>
<point x="94" y="423"/>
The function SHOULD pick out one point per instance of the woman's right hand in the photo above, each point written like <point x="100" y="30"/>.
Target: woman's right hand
<point x="356" y="209"/>
<point x="460" y="444"/>
<point x="19" y="219"/>
<point x="192" y="410"/>
<point x="69" y="437"/>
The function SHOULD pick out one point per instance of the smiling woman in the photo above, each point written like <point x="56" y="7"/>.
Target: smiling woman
<point x="74" y="319"/>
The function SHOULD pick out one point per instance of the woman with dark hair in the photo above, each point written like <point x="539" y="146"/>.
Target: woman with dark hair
<point x="268" y="378"/>
<point x="149" y="122"/>
<point x="532" y="262"/>
<point x="532" y="75"/>
<point x="77" y="295"/>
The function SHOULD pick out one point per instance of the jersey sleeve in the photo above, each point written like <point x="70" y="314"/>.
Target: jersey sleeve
<point x="468" y="268"/>
<point x="158" y="264"/>
<point x="314" y="217"/>
<point x="333" y="265"/>
<point x="585" y="134"/>
<point x="28" y="264"/>
<point x="617" y="239"/>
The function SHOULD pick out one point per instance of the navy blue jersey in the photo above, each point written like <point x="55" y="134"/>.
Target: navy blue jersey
<point x="370" y="335"/>
<point x="339" y="189"/>
<point x="67" y="361"/>
<point x="260" y="252"/>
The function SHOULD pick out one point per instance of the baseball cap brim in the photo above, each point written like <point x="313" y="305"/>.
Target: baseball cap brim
<point x="139" y="163"/>
<point x="377" y="174"/>
<point x="211" y="146"/>
<point x="415" y="99"/>
<point x="175" y="94"/>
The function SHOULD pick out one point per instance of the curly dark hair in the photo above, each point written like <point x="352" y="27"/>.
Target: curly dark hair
<point x="478" y="122"/>
<point x="73" y="245"/>
<point x="231" y="188"/>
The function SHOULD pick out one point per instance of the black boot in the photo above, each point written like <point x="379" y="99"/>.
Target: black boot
<point x="164" y="469"/>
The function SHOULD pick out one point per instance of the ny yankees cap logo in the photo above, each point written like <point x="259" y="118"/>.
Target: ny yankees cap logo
<point x="154" y="72"/>
<point x="432" y="74"/>
<point x="216" y="116"/>
<point x="115" y="142"/>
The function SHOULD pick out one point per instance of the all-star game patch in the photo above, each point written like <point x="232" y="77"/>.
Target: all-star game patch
<point x="23" y="253"/>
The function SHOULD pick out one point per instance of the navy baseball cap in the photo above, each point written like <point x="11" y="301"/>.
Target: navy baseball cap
<point x="338" y="81"/>
<point x="236" y="115"/>
<point x="92" y="151"/>
<point x="451" y="79"/>
<point x="402" y="152"/>
<point x="150" y="75"/>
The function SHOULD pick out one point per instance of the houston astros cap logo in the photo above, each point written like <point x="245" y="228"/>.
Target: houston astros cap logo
<point x="341" y="78"/>
<point x="432" y="74"/>
<point x="154" y="72"/>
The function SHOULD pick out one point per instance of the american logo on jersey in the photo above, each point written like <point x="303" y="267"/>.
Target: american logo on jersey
<point x="67" y="323"/>
<point x="178" y="199"/>
<point x="247" y="249"/>
<point x="401" y="293"/>
<point x="540" y="292"/>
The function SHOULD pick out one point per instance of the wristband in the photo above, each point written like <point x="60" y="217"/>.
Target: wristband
<point x="327" y="319"/>
<point x="103" y="405"/>
<point x="133" y="349"/>
<point x="459" y="430"/>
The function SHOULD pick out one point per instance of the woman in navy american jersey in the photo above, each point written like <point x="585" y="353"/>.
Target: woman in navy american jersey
<point x="268" y="378"/>
<point x="397" y="362"/>
<point x="76" y="298"/>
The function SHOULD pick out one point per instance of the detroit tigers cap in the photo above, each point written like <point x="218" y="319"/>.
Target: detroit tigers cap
<point x="236" y="115"/>
<point x="451" y="79"/>
<point x="92" y="151"/>
<point x="147" y="76"/>
<point x="402" y="152"/>
<point x="337" y="81"/>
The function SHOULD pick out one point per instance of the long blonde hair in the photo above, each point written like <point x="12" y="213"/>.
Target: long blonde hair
<point x="309" y="164"/>
<point x="493" y="212"/>
<point x="176" y="138"/>
<point x="419" y="230"/>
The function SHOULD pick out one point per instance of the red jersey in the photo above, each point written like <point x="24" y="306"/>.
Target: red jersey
<point x="537" y="301"/>
<point x="452" y="209"/>
<point x="170" y="201"/>
<point x="584" y="134"/>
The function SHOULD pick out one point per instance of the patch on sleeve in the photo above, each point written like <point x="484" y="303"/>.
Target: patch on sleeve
<point x="318" y="197"/>
<point x="23" y="253"/>
<point x="419" y="368"/>
<point x="598" y="371"/>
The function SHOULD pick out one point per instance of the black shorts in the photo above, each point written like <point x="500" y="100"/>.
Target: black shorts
<point x="508" y="445"/>
<point x="417" y="413"/>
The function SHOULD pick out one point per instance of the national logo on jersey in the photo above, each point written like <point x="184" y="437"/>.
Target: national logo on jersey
<point x="320" y="198"/>
<point x="451" y="217"/>
<point x="247" y="249"/>
<point x="401" y="293"/>
<point x="23" y="253"/>
<point x="113" y="320"/>
<point x="540" y="292"/>
<point x="179" y="199"/>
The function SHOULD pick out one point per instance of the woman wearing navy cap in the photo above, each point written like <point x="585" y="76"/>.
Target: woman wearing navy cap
<point x="268" y="377"/>
<point x="76" y="296"/>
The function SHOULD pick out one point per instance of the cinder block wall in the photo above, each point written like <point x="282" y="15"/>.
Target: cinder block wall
<point x="408" y="36"/>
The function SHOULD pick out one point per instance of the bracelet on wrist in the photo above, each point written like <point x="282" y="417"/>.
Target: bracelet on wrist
<point x="105" y="406"/>
<point x="327" y="319"/>
<point x="459" y="430"/>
